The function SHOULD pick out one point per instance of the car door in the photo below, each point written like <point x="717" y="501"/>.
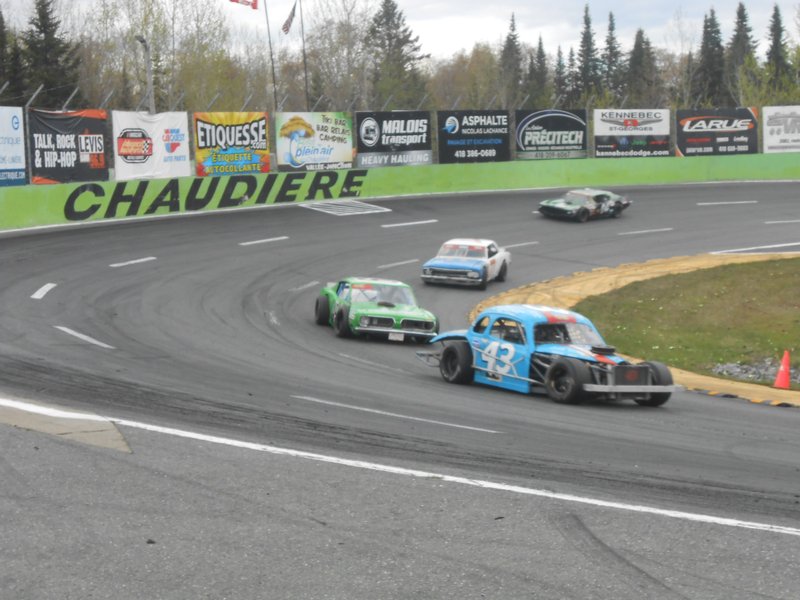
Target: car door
<point x="493" y="262"/>
<point x="502" y="358"/>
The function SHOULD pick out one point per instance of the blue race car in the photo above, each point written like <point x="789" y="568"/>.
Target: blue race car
<point x="529" y="348"/>
<point x="467" y="261"/>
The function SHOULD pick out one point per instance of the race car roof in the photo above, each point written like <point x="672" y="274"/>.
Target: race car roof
<point x="468" y="242"/>
<point x="536" y="313"/>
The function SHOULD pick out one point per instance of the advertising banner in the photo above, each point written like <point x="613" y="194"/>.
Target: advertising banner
<point x="631" y="132"/>
<point x="551" y="134"/>
<point x="67" y="146"/>
<point x="12" y="147"/>
<point x="781" y="129"/>
<point x="718" y="131"/>
<point x="151" y="146"/>
<point x="467" y="136"/>
<point x="314" y="141"/>
<point x="230" y="143"/>
<point x="391" y="139"/>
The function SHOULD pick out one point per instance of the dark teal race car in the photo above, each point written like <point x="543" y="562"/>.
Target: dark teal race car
<point x="366" y="306"/>
<point x="585" y="204"/>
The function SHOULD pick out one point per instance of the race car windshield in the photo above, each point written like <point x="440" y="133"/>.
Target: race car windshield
<point x="567" y="333"/>
<point x="383" y="293"/>
<point x="462" y="251"/>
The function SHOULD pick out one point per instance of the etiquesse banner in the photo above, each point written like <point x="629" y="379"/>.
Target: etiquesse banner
<point x="151" y="146"/>
<point x="231" y="143"/>
<point x="314" y="141"/>
<point x="620" y="133"/>
<point x="393" y="138"/>
<point x="782" y="129"/>
<point x="12" y="147"/>
<point x="67" y="146"/>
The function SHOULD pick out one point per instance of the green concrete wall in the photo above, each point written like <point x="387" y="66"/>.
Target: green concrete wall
<point x="35" y="206"/>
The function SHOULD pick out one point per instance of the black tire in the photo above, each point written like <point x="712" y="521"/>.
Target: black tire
<point x="456" y="363"/>
<point x="501" y="274"/>
<point x="661" y="376"/>
<point x="341" y="323"/>
<point x="582" y="216"/>
<point x="322" y="310"/>
<point x="564" y="380"/>
<point x="484" y="279"/>
<point x="616" y="210"/>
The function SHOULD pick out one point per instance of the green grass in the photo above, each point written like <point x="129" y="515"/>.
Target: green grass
<point x="735" y="313"/>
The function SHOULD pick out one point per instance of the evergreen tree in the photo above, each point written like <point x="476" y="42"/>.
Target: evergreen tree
<point x="777" y="64"/>
<point x="642" y="83"/>
<point x="588" y="65"/>
<point x="574" y="91"/>
<point x="560" y="81"/>
<point x="738" y="50"/>
<point x="537" y="82"/>
<point x="395" y="75"/>
<point x="15" y="94"/>
<point x="708" y="87"/>
<point x="611" y="61"/>
<point x="3" y="49"/>
<point x="50" y="59"/>
<point x="511" y="69"/>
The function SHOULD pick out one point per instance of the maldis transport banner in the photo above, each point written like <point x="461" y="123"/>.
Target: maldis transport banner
<point x="620" y="133"/>
<point x="12" y="147"/>
<point x="231" y="143"/>
<point x="550" y="134"/>
<point x="391" y="139"/>
<point x="781" y="129"/>
<point x="151" y="146"/>
<point x="718" y="131"/>
<point x="67" y="146"/>
<point x="314" y="141"/>
<point x="467" y="136"/>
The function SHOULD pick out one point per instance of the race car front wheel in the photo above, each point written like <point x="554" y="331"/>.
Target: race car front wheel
<point x="456" y="363"/>
<point x="565" y="379"/>
<point x="583" y="215"/>
<point x="341" y="323"/>
<point x="661" y="376"/>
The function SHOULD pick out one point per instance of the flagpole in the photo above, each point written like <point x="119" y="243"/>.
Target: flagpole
<point x="305" y="63"/>
<point x="272" y="61"/>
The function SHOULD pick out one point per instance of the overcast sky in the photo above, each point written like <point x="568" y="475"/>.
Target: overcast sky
<point x="447" y="26"/>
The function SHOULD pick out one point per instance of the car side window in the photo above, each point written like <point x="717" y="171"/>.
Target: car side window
<point x="508" y="330"/>
<point x="480" y="326"/>
<point x="344" y="290"/>
<point x="492" y="250"/>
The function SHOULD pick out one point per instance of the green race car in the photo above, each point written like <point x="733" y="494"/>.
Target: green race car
<point x="356" y="306"/>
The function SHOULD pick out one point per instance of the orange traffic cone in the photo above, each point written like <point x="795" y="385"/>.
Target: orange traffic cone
<point x="782" y="379"/>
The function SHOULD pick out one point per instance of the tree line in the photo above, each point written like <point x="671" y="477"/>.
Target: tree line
<point x="362" y="55"/>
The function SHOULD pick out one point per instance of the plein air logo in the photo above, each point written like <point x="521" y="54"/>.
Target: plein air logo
<point x="369" y="131"/>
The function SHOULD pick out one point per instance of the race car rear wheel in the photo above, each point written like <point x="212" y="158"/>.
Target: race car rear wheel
<point x="322" y="310"/>
<point x="583" y="215"/>
<point x="341" y="323"/>
<point x="501" y="274"/>
<point x="661" y="376"/>
<point x="564" y="380"/>
<point x="456" y="363"/>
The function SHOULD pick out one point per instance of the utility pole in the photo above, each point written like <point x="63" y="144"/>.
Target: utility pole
<point x="149" y="63"/>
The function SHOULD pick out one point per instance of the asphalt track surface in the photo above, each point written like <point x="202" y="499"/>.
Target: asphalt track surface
<point x="270" y="459"/>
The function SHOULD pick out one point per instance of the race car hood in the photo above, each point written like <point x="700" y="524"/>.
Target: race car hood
<point x="560" y="203"/>
<point x="450" y="262"/>
<point x="579" y="351"/>
<point x="404" y="311"/>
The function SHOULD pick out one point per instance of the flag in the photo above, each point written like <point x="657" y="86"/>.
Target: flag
<point x="288" y="24"/>
<point x="251" y="3"/>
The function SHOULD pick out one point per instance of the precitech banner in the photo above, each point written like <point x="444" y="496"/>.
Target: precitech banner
<point x="781" y="129"/>
<point x="151" y="146"/>
<point x="635" y="132"/>
<point x="67" y="146"/>
<point x="314" y="141"/>
<point x="12" y="147"/>
<point x="719" y="131"/>
<point x="393" y="139"/>
<point x="467" y="136"/>
<point x="230" y="143"/>
<point x="551" y="134"/>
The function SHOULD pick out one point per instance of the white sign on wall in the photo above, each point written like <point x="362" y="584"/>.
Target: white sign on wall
<point x="151" y="146"/>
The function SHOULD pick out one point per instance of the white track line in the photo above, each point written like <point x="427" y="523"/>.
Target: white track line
<point x="399" y="264"/>
<point x="305" y="286"/>
<point x="391" y="414"/>
<point x="781" y="222"/>
<point x="42" y="291"/>
<point x="409" y="224"/>
<point x="729" y="202"/>
<point x="439" y="477"/>
<point x="85" y="338"/>
<point x="646" y="231"/>
<point x="132" y="262"/>
<point x="520" y="245"/>
<point x="772" y="247"/>
<point x="265" y="241"/>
